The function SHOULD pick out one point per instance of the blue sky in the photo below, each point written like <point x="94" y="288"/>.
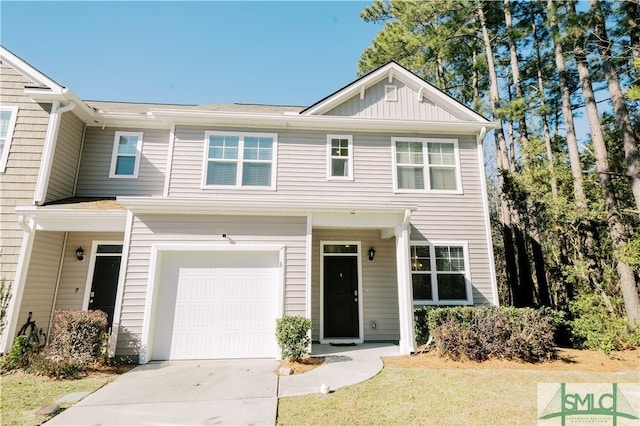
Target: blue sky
<point x="198" y="52"/>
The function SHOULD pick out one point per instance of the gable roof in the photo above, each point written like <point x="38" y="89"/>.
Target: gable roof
<point x="29" y="71"/>
<point x="390" y="71"/>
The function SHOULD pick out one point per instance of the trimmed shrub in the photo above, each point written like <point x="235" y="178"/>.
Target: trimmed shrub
<point x="78" y="335"/>
<point x="21" y="354"/>
<point x="292" y="333"/>
<point x="594" y="327"/>
<point x="482" y="333"/>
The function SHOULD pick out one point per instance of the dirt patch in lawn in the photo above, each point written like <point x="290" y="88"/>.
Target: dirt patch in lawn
<point x="105" y="370"/>
<point x="304" y="365"/>
<point x="568" y="360"/>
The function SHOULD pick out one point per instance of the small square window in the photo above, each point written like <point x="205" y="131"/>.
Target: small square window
<point x="8" y="116"/>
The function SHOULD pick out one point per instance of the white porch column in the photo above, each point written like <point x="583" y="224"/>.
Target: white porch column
<point x="405" y="298"/>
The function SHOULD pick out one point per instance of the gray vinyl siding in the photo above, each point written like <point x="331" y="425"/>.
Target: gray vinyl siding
<point x="18" y="182"/>
<point x="65" y="160"/>
<point x="301" y="166"/>
<point x="407" y="107"/>
<point x="93" y="179"/>
<point x="41" y="278"/>
<point x="73" y="279"/>
<point x="153" y="229"/>
<point x="379" y="282"/>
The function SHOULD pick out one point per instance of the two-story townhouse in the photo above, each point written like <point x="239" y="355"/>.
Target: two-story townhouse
<point x="195" y="227"/>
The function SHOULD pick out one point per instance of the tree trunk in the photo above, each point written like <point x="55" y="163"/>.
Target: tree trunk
<point x="617" y="229"/>
<point x="629" y="138"/>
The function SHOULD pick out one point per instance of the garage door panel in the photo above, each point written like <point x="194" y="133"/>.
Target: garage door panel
<point x="209" y="307"/>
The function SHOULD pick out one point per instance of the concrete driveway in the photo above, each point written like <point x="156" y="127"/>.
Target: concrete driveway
<point x="229" y="392"/>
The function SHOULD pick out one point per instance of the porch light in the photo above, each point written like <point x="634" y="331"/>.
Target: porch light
<point x="80" y="254"/>
<point x="372" y="253"/>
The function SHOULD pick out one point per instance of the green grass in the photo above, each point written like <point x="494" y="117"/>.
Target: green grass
<point x="400" y="396"/>
<point x="21" y="395"/>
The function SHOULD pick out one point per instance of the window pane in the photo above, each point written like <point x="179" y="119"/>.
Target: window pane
<point x="109" y="248"/>
<point x="223" y="147"/>
<point x="420" y="260"/>
<point x="449" y="258"/>
<point x="339" y="147"/>
<point x="441" y="153"/>
<point x="125" y="166"/>
<point x="256" y="174"/>
<point x="5" y="117"/>
<point x="256" y="148"/>
<point x="421" y="286"/>
<point x="452" y="287"/>
<point x="410" y="178"/>
<point x="127" y="144"/>
<point x="340" y="248"/>
<point x="339" y="167"/>
<point x="219" y="173"/>
<point x="409" y="153"/>
<point x="442" y="178"/>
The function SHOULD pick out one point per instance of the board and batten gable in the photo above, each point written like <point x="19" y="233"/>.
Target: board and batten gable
<point x="409" y="104"/>
<point x="65" y="159"/>
<point x="93" y="177"/>
<point x="150" y="229"/>
<point x="18" y="182"/>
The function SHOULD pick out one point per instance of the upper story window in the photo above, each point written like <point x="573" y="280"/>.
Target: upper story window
<point x="240" y="160"/>
<point x="426" y="165"/>
<point x="8" y="117"/>
<point x="125" y="160"/>
<point x="439" y="274"/>
<point x="340" y="157"/>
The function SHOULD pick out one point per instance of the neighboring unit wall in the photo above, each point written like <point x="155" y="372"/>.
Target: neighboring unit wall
<point x="94" y="181"/>
<point x="406" y="107"/>
<point x="65" y="160"/>
<point x="197" y="229"/>
<point x="379" y="282"/>
<point x="73" y="278"/>
<point x="18" y="182"/>
<point x="41" y="278"/>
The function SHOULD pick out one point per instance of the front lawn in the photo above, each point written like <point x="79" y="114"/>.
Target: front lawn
<point x="425" y="391"/>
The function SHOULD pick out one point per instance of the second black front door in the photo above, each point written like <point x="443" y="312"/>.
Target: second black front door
<point x="341" y="297"/>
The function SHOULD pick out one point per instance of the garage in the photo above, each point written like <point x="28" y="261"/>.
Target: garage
<point x="216" y="304"/>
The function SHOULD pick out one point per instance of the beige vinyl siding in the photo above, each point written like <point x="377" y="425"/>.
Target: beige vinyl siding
<point x="302" y="166"/>
<point x="407" y="106"/>
<point x="245" y="230"/>
<point x="93" y="179"/>
<point x="18" y="182"/>
<point x="65" y="160"/>
<point x="379" y="282"/>
<point x="73" y="278"/>
<point x="41" y="278"/>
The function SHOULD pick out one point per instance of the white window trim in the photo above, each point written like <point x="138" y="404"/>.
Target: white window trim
<point x="4" y="155"/>
<point x="426" y="165"/>
<point x="434" y="283"/>
<point x="114" y="155"/>
<point x="349" y="157"/>
<point x="240" y="160"/>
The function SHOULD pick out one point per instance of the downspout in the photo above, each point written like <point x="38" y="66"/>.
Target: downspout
<point x="55" y="293"/>
<point x="50" y="142"/>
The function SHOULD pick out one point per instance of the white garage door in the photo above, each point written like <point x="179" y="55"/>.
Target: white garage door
<point x="216" y="305"/>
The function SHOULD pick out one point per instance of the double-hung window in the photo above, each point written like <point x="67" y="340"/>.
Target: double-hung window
<point x="240" y="160"/>
<point x="426" y="165"/>
<point x="125" y="159"/>
<point x="340" y="157"/>
<point x="440" y="274"/>
<point x="8" y="117"/>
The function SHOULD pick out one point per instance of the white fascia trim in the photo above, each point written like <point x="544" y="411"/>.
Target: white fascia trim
<point x="253" y="207"/>
<point x="75" y="220"/>
<point x="487" y="223"/>
<point x="168" y="168"/>
<point x="27" y="70"/>
<point x="45" y="95"/>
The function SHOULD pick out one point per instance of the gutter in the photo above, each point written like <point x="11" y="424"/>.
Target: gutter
<point x="48" y="153"/>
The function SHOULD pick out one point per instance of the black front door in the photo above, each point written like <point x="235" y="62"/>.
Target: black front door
<point x="105" y="284"/>
<point x="341" y="297"/>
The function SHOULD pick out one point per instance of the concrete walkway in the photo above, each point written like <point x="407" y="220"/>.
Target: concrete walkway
<point x="237" y="392"/>
<point x="343" y="366"/>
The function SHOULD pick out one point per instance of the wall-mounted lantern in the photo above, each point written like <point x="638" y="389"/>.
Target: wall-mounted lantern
<point x="372" y="253"/>
<point x="80" y="254"/>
